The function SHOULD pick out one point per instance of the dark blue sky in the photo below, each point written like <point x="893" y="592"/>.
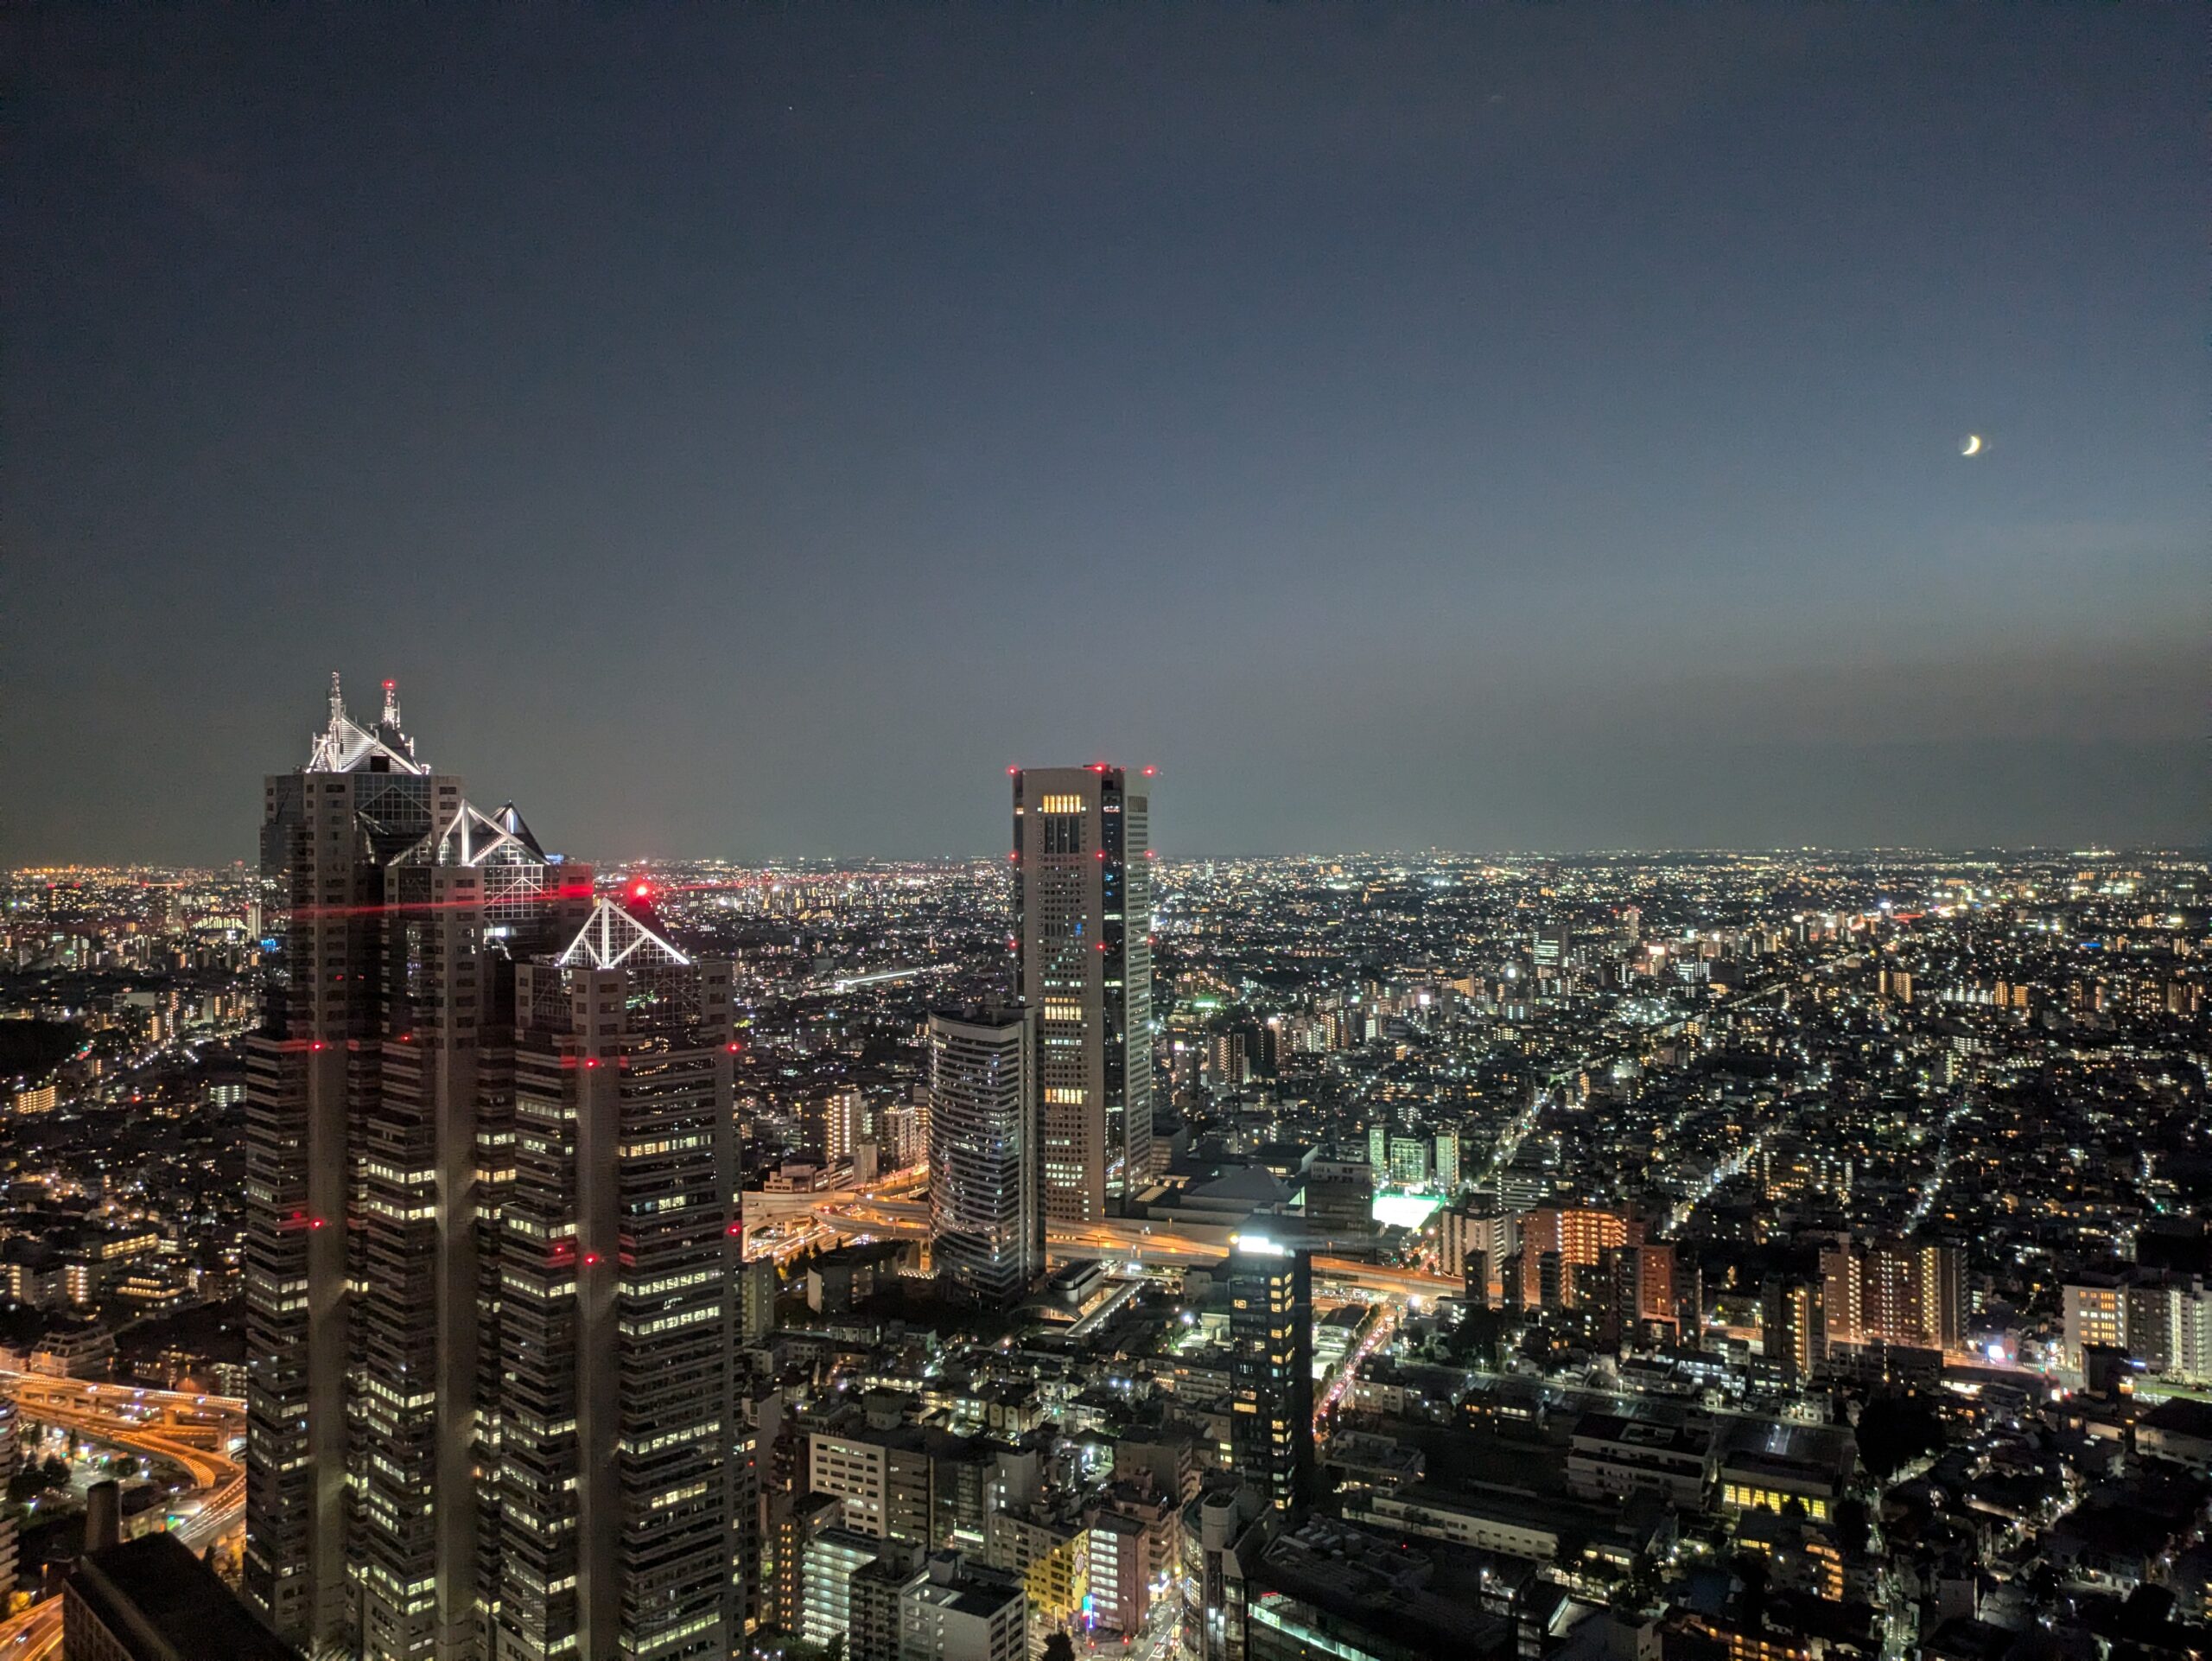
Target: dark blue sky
<point x="747" y="432"/>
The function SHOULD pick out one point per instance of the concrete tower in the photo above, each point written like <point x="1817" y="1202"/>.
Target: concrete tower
<point x="1082" y="916"/>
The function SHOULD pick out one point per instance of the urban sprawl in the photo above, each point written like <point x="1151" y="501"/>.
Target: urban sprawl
<point x="423" y="1246"/>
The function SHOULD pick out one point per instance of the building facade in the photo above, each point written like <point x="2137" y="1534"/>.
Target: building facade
<point x="987" y="1219"/>
<point x="1082" y="917"/>
<point x="1271" y="1372"/>
<point x="619" y="1496"/>
<point x="491" y="1164"/>
<point x="1793" y="1325"/>
<point x="1898" y="1292"/>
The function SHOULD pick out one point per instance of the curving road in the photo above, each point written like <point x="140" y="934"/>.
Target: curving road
<point x="191" y="1432"/>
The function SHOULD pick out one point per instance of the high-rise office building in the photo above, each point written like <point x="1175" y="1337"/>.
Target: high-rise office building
<point x="1082" y="916"/>
<point x="618" y="1498"/>
<point x="330" y="833"/>
<point x="412" y="1096"/>
<point x="987" y="1222"/>
<point x="1271" y="1372"/>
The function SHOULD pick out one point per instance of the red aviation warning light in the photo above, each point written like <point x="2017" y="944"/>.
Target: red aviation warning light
<point x="641" y="889"/>
<point x="1151" y="772"/>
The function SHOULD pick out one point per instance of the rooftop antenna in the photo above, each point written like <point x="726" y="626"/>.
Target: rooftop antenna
<point x="337" y="700"/>
<point x="391" y="704"/>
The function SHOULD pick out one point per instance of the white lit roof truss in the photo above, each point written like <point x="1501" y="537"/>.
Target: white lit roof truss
<point x="612" y="938"/>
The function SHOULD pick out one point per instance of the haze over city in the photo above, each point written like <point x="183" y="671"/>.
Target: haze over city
<point x="745" y="434"/>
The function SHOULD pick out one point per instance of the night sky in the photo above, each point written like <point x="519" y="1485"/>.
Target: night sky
<point x="746" y="433"/>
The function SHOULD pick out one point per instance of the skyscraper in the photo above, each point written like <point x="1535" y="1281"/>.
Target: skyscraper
<point x="463" y="1069"/>
<point x="987" y="1223"/>
<point x="1083" y="913"/>
<point x="330" y="831"/>
<point x="1271" y="1372"/>
<point x="621" y="1251"/>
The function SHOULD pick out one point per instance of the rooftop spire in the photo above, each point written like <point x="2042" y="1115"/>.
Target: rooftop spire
<point x="345" y="745"/>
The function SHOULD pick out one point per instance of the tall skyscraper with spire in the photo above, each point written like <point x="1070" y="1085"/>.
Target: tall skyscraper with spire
<point x="1082" y="917"/>
<point x="467" y="1072"/>
<point x="330" y="833"/>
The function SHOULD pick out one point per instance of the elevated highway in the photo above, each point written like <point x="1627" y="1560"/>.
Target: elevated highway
<point x="1129" y="1241"/>
<point x="191" y="1432"/>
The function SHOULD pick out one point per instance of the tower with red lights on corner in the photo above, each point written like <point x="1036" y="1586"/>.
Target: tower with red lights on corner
<point x="492" y="1236"/>
<point x="1083" y="952"/>
<point x="334" y="833"/>
<point x="620" y="1328"/>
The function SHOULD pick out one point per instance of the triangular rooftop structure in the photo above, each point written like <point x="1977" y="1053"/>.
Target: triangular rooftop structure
<point x="611" y="938"/>
<point x="511" y="822"/>
<point x="473" y="837"/>
<point x="345" y="746"/>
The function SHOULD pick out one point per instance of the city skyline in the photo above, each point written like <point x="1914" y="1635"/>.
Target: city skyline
<point x="1549" y="425"/>
<point x="660" y="1264"/>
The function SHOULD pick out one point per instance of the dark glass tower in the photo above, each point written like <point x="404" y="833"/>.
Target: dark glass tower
<point x="987" y="1228"/>
<point x="330" y="833"/>
<point x="432" y="1039"/>
<point x="1271" y="1372"/>
<point x="619" y="1487"/>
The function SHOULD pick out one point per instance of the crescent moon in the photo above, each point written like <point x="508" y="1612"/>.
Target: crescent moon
<point x="1973" y="445"/>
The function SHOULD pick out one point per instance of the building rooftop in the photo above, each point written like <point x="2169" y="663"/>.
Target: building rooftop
<point x="164" y="1604"/>
<point x="1381" y="1585"/>
<point x="1657" y="1433"/>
